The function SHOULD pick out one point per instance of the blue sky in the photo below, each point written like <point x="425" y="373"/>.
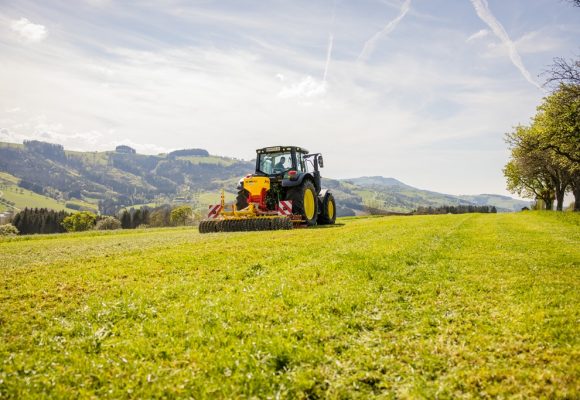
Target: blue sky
<point x="419" y="90"/>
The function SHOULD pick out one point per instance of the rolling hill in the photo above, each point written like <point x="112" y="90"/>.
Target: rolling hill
<point x="44" y="174"/>
<point x="392" y="194"/>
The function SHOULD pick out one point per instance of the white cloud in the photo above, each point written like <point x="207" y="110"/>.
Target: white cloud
<point x="143" y="148"/>
<point x="478" y="35"/>
<point x="370" y="44"/>
<point x="306" y="88"/>
<point x="483" y="11"/>
<point x="29" y="32"/>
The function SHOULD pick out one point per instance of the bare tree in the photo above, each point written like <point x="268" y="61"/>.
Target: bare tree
<point x="563" y="72"/>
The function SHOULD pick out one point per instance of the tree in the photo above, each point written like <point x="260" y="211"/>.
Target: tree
<point x="136" y="218"/>
<point x="126" y="220"/>
<point x="108" y="223"/>
<point x="160" y="216"/>
<point x="527" y="173"/>
<point x="78" y="222"/>
<point x="180" y="215"/>
<point x="8" y="230"/>
<point x="546" y="154"/>
<point x="562" y="71"/>
<point x="145" y="216"/>
<point x="558" y="123"/>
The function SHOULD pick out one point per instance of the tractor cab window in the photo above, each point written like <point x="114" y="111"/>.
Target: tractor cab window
<point x="275" y="163"/>
<point x="301" y="166"/>
<point x="308" y="164"/>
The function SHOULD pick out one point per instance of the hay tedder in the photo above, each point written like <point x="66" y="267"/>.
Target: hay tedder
<point x="284" y="192"/>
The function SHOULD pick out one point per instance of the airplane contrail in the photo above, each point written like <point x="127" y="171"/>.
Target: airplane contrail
<point x="328" y="56"/>
<point x="330" y="44"/>
<point x="485" y="14"/>
<point x="370" y="44"/>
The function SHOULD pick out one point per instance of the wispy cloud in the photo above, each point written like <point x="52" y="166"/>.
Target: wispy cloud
<point x="28" y="31"/>
<point x="478" y="35"/>
<point x="370" y="44"/>
<point x="485" y="14"/>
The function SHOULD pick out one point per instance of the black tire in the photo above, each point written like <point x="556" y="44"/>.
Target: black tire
<point x="297" y="196"/>
<point x="328" y="212"/>
<point x="215" y="225"/>
<point x="242" y="199"/>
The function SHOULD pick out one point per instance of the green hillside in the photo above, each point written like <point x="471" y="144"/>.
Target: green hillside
<point x="15" y="198"/>
<point x="392" y="194"/>
<point x="113" y="180"/>
<point x="451" y="306"/>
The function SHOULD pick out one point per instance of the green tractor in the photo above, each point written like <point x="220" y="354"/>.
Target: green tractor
<point x="284" y="191"/>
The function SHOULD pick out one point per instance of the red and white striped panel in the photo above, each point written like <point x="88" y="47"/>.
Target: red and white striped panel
<point x="214" y="210"/>
<point x="285" y="207"/>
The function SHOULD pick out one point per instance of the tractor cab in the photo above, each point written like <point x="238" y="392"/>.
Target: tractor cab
<point x="279" y="160"/>
<point x="288" y="164"/>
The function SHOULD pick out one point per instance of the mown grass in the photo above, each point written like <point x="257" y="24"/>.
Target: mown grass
<point x="445" y="306"/>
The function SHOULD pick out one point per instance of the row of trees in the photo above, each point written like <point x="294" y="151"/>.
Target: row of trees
<point x="157" y="217"/>
<point x="43" y="220"/>
<point x="39" y="220"/>
<point x="460" y="209"/>
<point x="545" y="154"/>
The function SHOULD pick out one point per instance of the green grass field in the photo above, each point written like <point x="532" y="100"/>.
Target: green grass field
<point x="451" y="306"/>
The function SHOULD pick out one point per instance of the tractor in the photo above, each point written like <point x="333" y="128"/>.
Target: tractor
<point x="284" y="192"/>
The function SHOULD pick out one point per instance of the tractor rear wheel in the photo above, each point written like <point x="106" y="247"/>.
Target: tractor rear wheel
<point x="304" y="202"/>
<point x="328" y="212"/>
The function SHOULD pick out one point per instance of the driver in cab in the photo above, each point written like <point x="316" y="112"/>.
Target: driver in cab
<point x="280" y="164"/>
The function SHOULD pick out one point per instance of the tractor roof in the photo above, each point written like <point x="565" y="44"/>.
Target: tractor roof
<point x="278" y="149"/>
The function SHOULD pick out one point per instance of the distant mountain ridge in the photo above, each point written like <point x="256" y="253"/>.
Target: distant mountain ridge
<point x="115" y="179"/>
<point x="376" y="181"/>
<point x="394" y="195"/>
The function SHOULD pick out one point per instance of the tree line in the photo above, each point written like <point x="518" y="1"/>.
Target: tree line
<point x="460" y="209"/>
<point x="545" y="154"/>
<point x="39" y="220"/>
<point x="42" y="220"/>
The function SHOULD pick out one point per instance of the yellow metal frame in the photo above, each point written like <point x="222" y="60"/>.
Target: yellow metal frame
<point x="248" y="212"/>
<point x="255" y="186"/>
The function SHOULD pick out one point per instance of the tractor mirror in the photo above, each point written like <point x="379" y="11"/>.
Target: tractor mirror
<point x="320" y="161"/>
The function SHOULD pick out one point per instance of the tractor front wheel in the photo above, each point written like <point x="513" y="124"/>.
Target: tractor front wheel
<point x="328" y="212"/>
<point x="304" y="202"/>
